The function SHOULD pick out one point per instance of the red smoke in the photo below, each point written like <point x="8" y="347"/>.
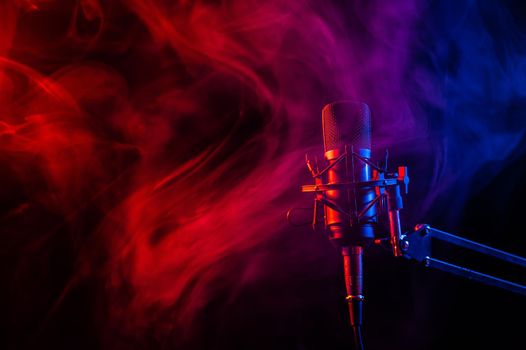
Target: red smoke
<point x="155" y="140"/>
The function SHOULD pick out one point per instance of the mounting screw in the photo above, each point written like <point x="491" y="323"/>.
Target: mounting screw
<point x="423" y="228"/>
<point x="427" y="261"/>
<point x="427" y="229"/>
<point x="404" y="245"/>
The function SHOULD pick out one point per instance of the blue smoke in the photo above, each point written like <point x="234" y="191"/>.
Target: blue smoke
<point x="474" y="54"/>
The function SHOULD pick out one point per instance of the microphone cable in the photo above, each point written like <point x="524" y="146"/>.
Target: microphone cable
<point x="358" y="341"/>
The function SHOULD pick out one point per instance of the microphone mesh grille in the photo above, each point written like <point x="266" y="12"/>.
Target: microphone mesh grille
<point x="346" y="123"/>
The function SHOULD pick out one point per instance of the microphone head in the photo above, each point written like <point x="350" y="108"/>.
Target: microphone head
<point x="346" y="123"/>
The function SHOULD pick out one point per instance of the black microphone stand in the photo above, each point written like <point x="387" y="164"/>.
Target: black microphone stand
<point x="415" y="245"/>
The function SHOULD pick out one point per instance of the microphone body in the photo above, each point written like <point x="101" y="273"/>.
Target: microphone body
<point x="349" y="217"/>
<point x="347" y="131"/>
<point x="355" y="192"/>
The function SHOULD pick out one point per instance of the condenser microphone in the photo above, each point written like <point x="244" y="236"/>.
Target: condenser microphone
<point x="347" y="145"/>
<point x="354" y="192"/>
<point x="350" y="215"/>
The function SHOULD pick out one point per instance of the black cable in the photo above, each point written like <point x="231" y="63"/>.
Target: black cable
<point x="358" y="342"/>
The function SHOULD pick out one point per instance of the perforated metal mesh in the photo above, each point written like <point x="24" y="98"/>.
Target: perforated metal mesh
<point x="346" y="122"/>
